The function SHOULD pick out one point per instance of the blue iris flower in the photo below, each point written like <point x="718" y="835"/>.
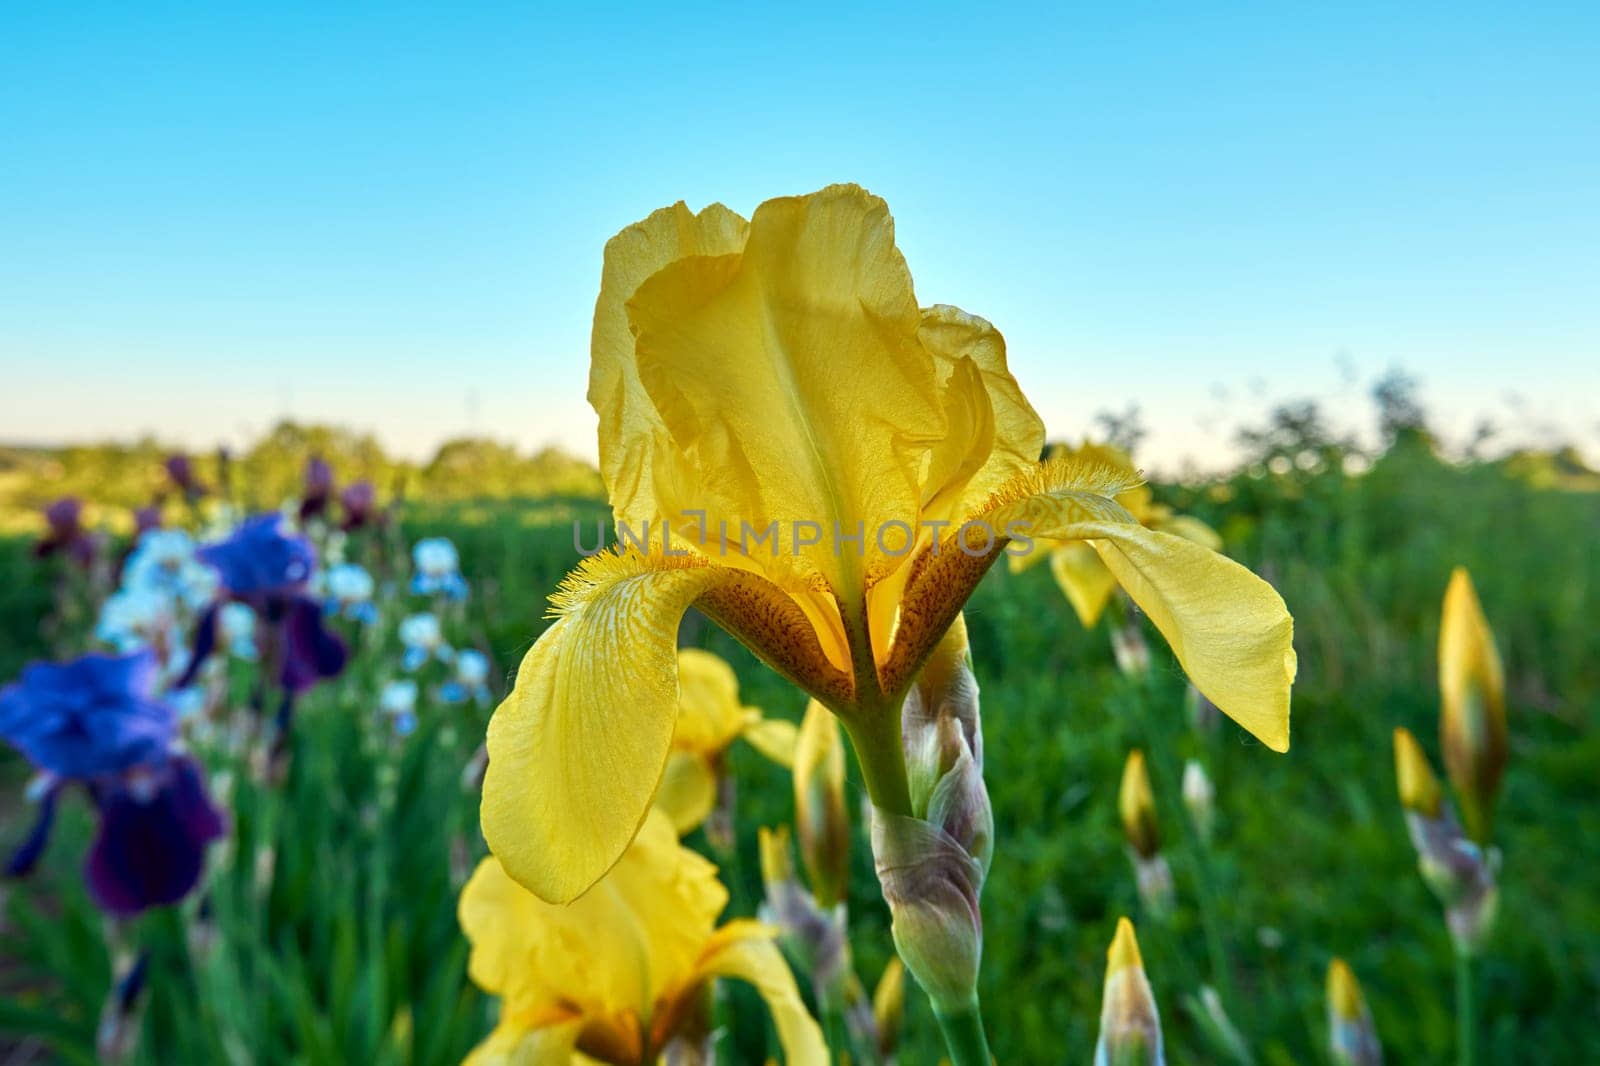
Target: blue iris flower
<point x="154" y="828"/>
<point x="471" y="680"/>
<point x="95" y="715"/>
<point x="96" y="721"/>
<point x="423" y="640"/>
<point x="349" y="589"/>
<point x="260" y="561"/>
<point x="265" y="567"/>
<point x="437" y="568"/>
<point x="164" y="561"/>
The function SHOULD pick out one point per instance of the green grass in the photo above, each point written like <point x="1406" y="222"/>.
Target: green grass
<point x="354" y="954"/>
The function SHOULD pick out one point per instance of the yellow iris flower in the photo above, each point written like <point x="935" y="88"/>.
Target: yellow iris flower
<point x="710" y="719"/>
<point x="1086" y="581"/>
<point x="622" y="973"/>
<point x="762" y="381"/>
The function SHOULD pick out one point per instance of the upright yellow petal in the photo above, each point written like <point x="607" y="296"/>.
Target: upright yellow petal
<point x="1472" y="722"/>
<point x="1011" y="445"/>
<point x="745" y="950"/>
<point x="791" y="379"/>
<point x="630" y="429"/>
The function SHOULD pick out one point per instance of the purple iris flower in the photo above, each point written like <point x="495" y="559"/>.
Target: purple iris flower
<point x="145" y="519"/>
<point x="66" y="533"/>
<point x="97" y="721"/>
<point x="154" y="828"/>
<point x="318" y="488"/>
<point x="360" y="502"/>
<point x="92" y="716"/>
<point x="267" y="568"/>
<point x="180" y="468"/>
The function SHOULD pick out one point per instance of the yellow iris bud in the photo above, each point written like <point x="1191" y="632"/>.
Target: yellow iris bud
<point x="1130" y="1025"/>
<point x="1472" y="719"/>
<point x="1352" y="1039"/>
<point x="1419" y="788"/>
<point x="1137" y="805"/>
<point x="820" y="813"/>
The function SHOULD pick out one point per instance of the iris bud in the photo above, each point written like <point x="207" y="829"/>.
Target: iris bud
<point x="1137" y="806"/>
<point x="1352" y="1038"/>
<point x="1472" y="720"/>
<point x="821" y="815"/>
<point x="1130" y="1025"/>
<point x="1459" y="873"/>
<point x="1199" y="797"/>
<point x="932" y="864"/>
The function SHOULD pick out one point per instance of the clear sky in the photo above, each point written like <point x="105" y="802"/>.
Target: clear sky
<point x="393" y="216"/>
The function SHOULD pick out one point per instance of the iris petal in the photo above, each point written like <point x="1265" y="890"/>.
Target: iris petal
<point x="745" y="950"/>
<point x="577" y="749"/>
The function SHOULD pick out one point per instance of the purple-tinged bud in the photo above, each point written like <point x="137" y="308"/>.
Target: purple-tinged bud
<point x="932" y="863"/>
<point x="1130" y="1024"/>
<point x="1352" y="1038"/>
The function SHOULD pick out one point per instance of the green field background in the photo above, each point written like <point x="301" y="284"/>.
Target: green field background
<point x="355" y="956"/>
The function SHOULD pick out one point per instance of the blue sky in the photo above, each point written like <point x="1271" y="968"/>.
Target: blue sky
<point x="393" y="216"/>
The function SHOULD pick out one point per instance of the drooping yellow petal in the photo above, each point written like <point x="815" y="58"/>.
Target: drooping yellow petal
<point x="688" y="791"/>
<point x="1084" y="579"/>
<point x="1229" y="629"/>
<point x="630" y="429"/>
<point x="791" y="379"/>
<point x="578" y="747"/>
<point x="745" y="950"/>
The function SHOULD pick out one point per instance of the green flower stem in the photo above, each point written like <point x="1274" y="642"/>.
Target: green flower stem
<point x="963" y="1034"/>
<point x="875" y="735"/>
<point x="834" y="1031"/>
<point x="1466" y="1022"/>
